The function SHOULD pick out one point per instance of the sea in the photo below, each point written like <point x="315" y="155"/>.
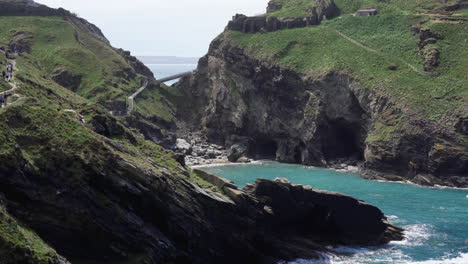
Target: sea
<point x="165" y="70"/>
<point x="435" y="219"/>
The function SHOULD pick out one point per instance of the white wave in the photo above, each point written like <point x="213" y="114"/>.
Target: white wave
<point x="460" y="259"/>
<point x="225" y="164"/>
<point x="415" y="235"/>
<point x="383" y="256"/>
<point x="392" y="217"/>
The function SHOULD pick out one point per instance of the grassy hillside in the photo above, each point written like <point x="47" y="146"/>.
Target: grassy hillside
<point x="16" y="238"/>
<point x="67" y="130"/>
<point x="292" y="8"/>
<point x="56" y="44"/>
<point x="318" y="50"/>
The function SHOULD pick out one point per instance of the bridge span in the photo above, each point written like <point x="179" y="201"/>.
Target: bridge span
<point x="131" y="99"/>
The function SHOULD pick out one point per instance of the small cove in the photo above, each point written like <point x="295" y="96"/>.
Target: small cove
<point x="435" y="219"/>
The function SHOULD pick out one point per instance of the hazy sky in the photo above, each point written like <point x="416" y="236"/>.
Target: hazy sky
<point x="161" y="27"/>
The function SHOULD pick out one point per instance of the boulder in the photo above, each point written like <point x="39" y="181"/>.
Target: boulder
<point x="183" y="146"/>
<point x="236" y="151"/>
<point x="244" y="160"/>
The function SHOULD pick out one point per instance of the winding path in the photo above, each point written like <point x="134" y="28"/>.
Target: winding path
<point x="131" y="99"/>
<point x="14" y="86"/>
<point x="412" y="67"/>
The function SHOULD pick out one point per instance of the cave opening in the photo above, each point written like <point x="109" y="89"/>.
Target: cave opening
<point x="264" y="148"/>
<point x="343" y="140"/>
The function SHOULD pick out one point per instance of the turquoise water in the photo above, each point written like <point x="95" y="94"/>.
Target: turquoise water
<point x="165" y="70"/>
<point x="435" y="220"/>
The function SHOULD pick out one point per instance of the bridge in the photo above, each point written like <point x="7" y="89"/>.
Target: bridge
<point x="131" y="99"/>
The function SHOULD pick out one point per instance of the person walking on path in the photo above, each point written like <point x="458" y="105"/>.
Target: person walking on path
<point x="5" y="99"/>
<point x="1" y="100"/>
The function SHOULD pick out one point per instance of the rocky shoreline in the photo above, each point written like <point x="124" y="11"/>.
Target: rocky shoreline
<point x="199" y="153"/>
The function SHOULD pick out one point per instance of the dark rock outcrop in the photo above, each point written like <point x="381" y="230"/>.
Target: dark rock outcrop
<point x="429" y="53"/>
<point x="324" y="8"/>
<point x="90" y="201"/>
<point x="236" y="151"/>
<point x="273" y="6"/>
<point x="326" y="215"/>
<point x="137" y="65"/>
<point x="67" y="79"/>
<point x="462" y="125"/>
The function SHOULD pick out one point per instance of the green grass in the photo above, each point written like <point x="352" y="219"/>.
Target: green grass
<point x="351" y="6"/>
<point x="58" y="44"/>
<point x="158" y="101"/>
<point x="318" y="50"/>
<point x="16" y="240"/>
<point x="293" y="8"/>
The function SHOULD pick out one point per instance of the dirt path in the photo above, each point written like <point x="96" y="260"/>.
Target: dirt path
<point x="13" y="84"/>
<point x="415" y="69"/>
<point x="412" y="67"/>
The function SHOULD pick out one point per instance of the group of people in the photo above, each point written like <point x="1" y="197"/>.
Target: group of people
<point x="8" y="74"/>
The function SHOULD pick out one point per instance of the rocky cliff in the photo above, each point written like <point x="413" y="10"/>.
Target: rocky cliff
<point x="82" y="184"/>
<point x="261" y="96"/>
<point x="314" y="14"/>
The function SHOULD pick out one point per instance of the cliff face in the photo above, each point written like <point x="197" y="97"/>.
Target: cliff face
<point x="313" y="15"/>
<point x="81" y="185"/>
<point x="265" y="108"/>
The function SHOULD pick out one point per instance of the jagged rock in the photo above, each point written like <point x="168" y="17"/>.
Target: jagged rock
<point x="256" y="24"/>
<point x="304" y="210"/>
<point x="237" y="151"/>
<point x="136" y="64"/>
<point x="67" y="79"/>
<point x="273" y="6"/>
<point x="152" y="132"/>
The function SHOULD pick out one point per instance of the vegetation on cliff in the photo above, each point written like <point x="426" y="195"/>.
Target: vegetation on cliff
<point x="317" y="50"/>
<point x="394" y="84"/>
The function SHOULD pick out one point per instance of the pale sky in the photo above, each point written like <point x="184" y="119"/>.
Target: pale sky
<point x="161" y="27"/>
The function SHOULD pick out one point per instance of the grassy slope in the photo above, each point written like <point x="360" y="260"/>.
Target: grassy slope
<point x="41" y="126"/>
<point x="317" y="50"/>
<point x="58" y="44"/>
<point x="16" y="238"/>
<point x="293" y="8"/>
<point x="158" y="101"/>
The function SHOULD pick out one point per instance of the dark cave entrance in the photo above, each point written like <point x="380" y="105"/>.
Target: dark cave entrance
<point x="298" y="153"/>
<point x="343" y="140"/>
<point x="263" y="148"/>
